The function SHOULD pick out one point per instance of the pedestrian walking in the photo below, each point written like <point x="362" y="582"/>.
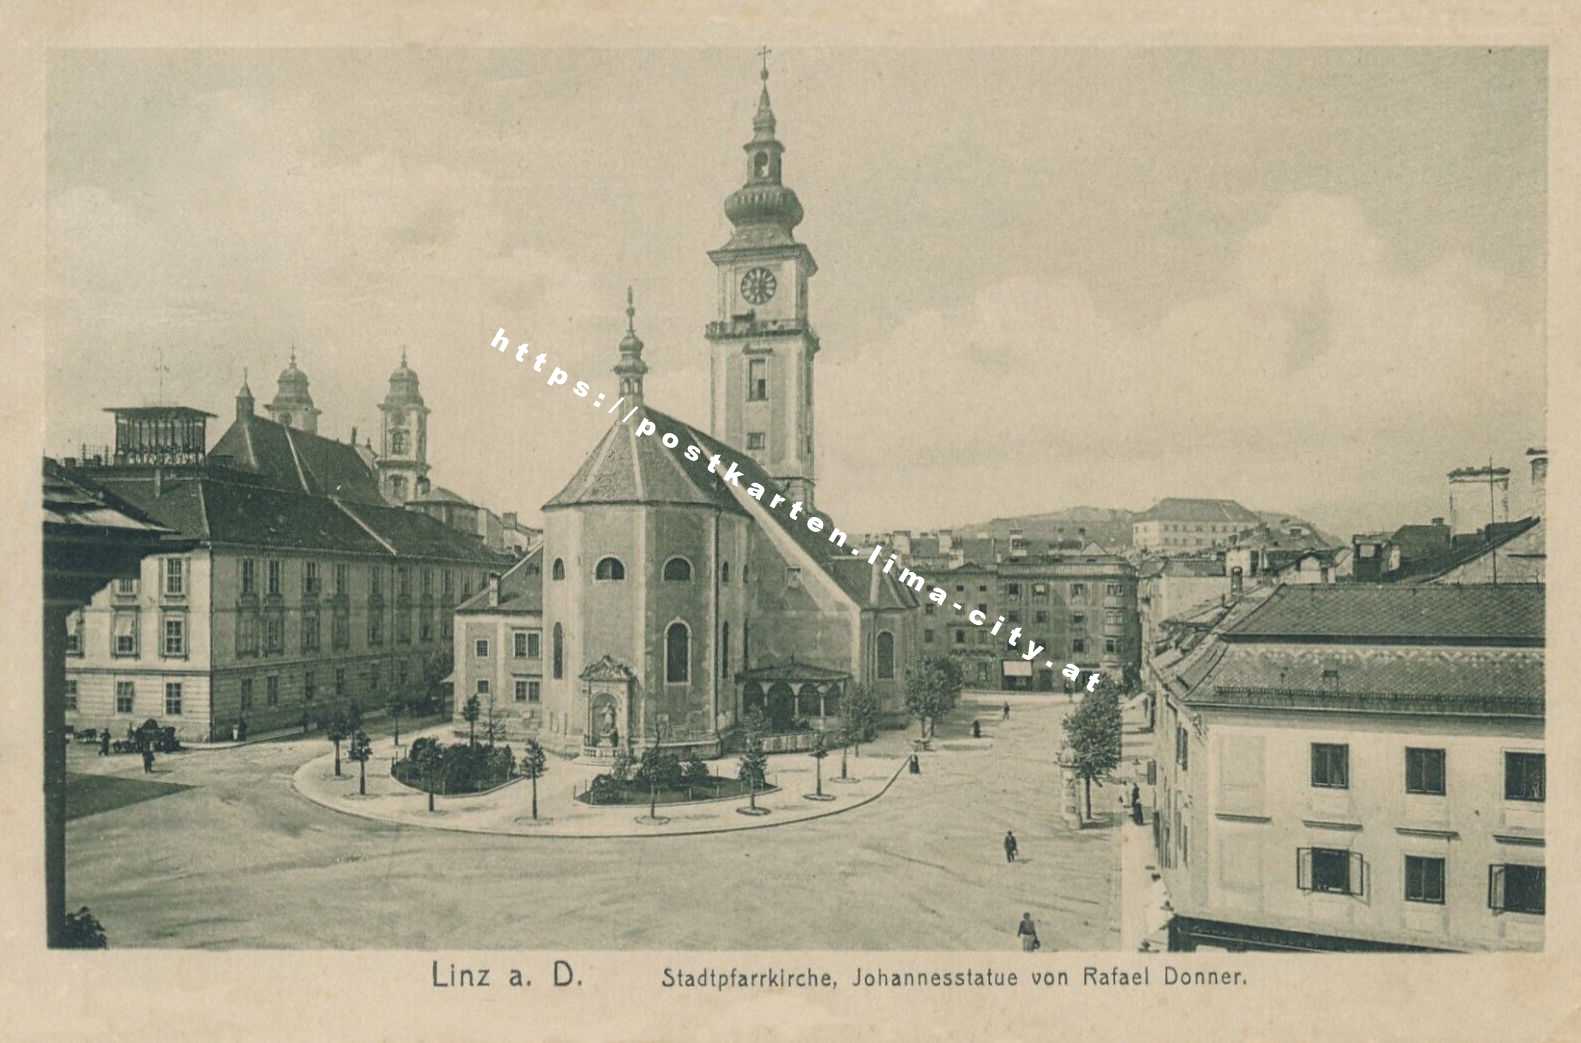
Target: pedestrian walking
<point x="1136" y="804"/>
<point x="1027" y="931"/>
<point x="1007" y="710"/>
<point x="148" y="760"/>
<point x="1010" y="846"/>
<point x="916" y="765"/>
<point x="977" y="729"/>
<point x="104" y="743"/>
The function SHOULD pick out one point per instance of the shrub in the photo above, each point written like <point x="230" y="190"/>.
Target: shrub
<point x="620" y="770"/>
<point x="83" y="931"/>
<point x="696" y="768"/>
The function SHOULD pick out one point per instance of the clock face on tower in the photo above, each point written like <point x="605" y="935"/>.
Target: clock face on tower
<point x="758" y="286"/>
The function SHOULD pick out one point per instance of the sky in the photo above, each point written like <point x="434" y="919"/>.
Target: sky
<point x="1311" y="280"/>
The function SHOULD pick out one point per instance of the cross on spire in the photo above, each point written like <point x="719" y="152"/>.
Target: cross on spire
<point x="631" y="312"/>
<point x="763" y="53"/>
<point x="161" y="369"/>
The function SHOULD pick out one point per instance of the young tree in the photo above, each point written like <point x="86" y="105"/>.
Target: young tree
<point x="931" y="690"/>
<point x="426" y="755"/>
<point x="753" y="763"/>
<point x="470" y="711"/>
<point x="361" y="750"/>
<point x="336" y="730"/>
<point x="651" y="768"/>
<point x="820" y="750"/>
<point x="861" y="715"/>
<point x="396" y="707"/>
<point x="534" y="764"/>
<point x="1093" y="731"/>
<point x="843" y="739"/>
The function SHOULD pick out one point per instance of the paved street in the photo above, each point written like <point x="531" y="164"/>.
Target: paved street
<point x="242" y="861"/>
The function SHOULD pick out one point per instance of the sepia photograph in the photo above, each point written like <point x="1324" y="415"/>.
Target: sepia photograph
<point x="771" y="511"/>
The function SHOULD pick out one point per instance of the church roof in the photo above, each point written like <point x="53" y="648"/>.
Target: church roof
<point x="292" y="459"/>
<point x="623" y="468"/>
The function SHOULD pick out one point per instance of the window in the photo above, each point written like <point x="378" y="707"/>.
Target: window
<point x="342" y="579"/>
<point x="1424" y="771"/>
<point x="756" y="440"/>
<point x="746" y="639"/>
<point x="483" y="686"/>
<point x="1114" y="590"/>
<point x="1333" y="870"/>
<point x="376" y="625"/>
<point x="745" y="569"/>
<point x="1078" y="622"/>
<point x="1078" y="592"/>
<point x="1517" y="889"/>
<point x="724" y="650"/>
<point x="609" y="569"/>
<point x="982" y="673"/>
<point x="1040" y="590"/>
<point x="520" y="690"/>
<point x="1182" y="748"/>
<point x="677" y="654"/>
<point x="125" y="692"/>
<point x="403" y="581"/>
<point x="175" y="636"/>
<point x="1013" y="590"/>
<point x="175" y="577"/>
<point x="74" y="634"/>
<point x="757" y="382"/>
<point x="678" y="570"/>
<point x="340" y="682"/>
<point x="375" y="581"/>
<point x="480" y="648"/>
<point x="927" y="637"/>
<point x="274" y="576"/>
<point x="450" y="582"/>
<point x="886" y="656"/>
<point x="1424" y="879"/>
<point x="792" y="576"/>
<point x="249" y="576"/>
<point x="126" y="585"/>
<point x="557" y="570"/>
<point x="274" y="633"/>
<point x="397" y="441"/>
<point x="1523" y="776"/>
<point x="1040" y="616"/>
<point x="247" y="694"/>
<point x="1331" y="765"/>
<point x="340" y="630"/>
<point x="534" y="692"/>
<point x="559" y="652"/>
<point x="71" y="695"/>
<point x="271" y="691"/>
<point x="960" y="637"/>
<point x="309" y="686"/>
<point x="1111" y="646"/>
<point x="1078" y="646"/>
<point x="519" y="644"/>
<point x="310" y="631"/>
<point x="310" y="577"/>
<point x="173" y="698"/>
<point x="724" y="572"/>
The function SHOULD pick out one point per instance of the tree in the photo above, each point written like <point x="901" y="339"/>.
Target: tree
<point x="820" y="750"/>
<point x="861" y="715"/>
<point x="470" y="711"/>
<point x="395" y="708"/>
<point x="651" y="768"/>
<point x="435" y="669"/>
<point x="83" y="931"/>
<point x="931" y="688"/>
<point x="620" y="767"/>
<point x="361" y="750"/>
<point x="753" y="763"/>
<point x="842" y="739"/>
<point x="1093" y="731"/>
<point x="533" y="765"/>
<point x="696" y="768"/>
<point x="336" y="730"/>
<point x="425" y="753"/>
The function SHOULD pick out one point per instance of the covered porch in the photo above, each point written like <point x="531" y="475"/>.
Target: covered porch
<point x="795" y="695"/>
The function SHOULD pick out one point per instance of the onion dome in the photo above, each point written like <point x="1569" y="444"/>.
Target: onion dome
<point x="763" y="211"/>
<point x="403" y="385"/>
<point x="630" y="368"/>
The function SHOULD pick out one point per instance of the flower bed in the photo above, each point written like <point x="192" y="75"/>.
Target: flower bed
<point x="606" y="791"/>
<point x="455" y="769"/>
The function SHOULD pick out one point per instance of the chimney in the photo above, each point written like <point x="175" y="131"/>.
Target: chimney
<point x="353" y="434"/>
<point x="1438" y="520"/>
<point x="1539" y="490"/>
<point x="494" y="589"/>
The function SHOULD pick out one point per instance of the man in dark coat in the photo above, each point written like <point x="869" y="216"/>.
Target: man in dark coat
<point x="1007" y="710"/>
<point x="1010" y="846"/>
<point x="1136" y="804"/>
<point x="104" y="743"/>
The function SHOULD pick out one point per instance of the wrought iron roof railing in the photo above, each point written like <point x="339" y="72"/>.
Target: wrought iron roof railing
<point x="1373" y="702"/>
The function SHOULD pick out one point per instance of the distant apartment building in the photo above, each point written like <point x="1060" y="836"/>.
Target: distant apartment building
<point x="1082" y="608"/>
<point x="1176" y="524"/>
<point x="499" y="652"/>
<point x="1356" y="766"/>
<point x="518" y="538"/>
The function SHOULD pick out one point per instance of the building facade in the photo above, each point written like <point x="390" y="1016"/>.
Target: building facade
<point x="301" y="587"/>
<point x="1357" y="766"/>
<point x="1177" y="524"/>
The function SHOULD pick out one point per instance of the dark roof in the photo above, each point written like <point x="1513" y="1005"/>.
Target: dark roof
<point x="439" y="494"/>
<point x="179" y="411"/>
<point x="521" y="589"/>
<point x="864" y="583"/>
<point x="1421" y="570"/>
<point x="292" y="459"/>
<point x="1454" y="614"/>
<point x="1175" y="508"/>
<point x="253" y="513"/>
<point x="75" y="500"/>
<point x="791" y="669"/>
<point x="1504" y="673"/>
<point x="623" y="468"/>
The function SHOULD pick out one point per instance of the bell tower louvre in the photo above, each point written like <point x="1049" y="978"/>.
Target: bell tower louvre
<point x="761" y="344"/>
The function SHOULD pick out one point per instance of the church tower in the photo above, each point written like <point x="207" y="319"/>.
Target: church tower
<point x="293" y="405"/>
<point x="403" y="452"/>
<point x="761" y="343"/>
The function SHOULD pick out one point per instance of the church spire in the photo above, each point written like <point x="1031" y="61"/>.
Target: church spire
<point x="763" y="211"/>
<point x="244" y="398"/>
<point x="631" y="368"/>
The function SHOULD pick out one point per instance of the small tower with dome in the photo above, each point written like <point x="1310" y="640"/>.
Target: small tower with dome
<point x="293" y="404"/>
<point x="403" y="449"/>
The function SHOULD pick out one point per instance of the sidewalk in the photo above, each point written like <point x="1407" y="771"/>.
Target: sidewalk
<point x="1144" y="920"/>
<point x="379" y="722"/>
<point x="507" y="810"/>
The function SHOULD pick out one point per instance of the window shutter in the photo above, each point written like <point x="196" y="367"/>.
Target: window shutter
<point x="1496" y="888"/>
<point x="1304" y="868"/>
<point x="1357" y="884"/>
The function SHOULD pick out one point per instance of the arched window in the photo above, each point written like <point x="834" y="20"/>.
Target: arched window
<point x="724" y="652"/>
<point x="760" y="163"/>
<point x="744" y="569"/>
<point x="557" y="570"/>
<point x="559" y="651"/>
<point x="398" y="487"/>
<point x="397" y="441"/>
<point x="609" y="568"/>
<point x="677" y="570"/>
<point x="677" y="653"/>
<point x="746" y="643"/>
<point x="886" y="656"/>
<point x="724" y="572"/>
